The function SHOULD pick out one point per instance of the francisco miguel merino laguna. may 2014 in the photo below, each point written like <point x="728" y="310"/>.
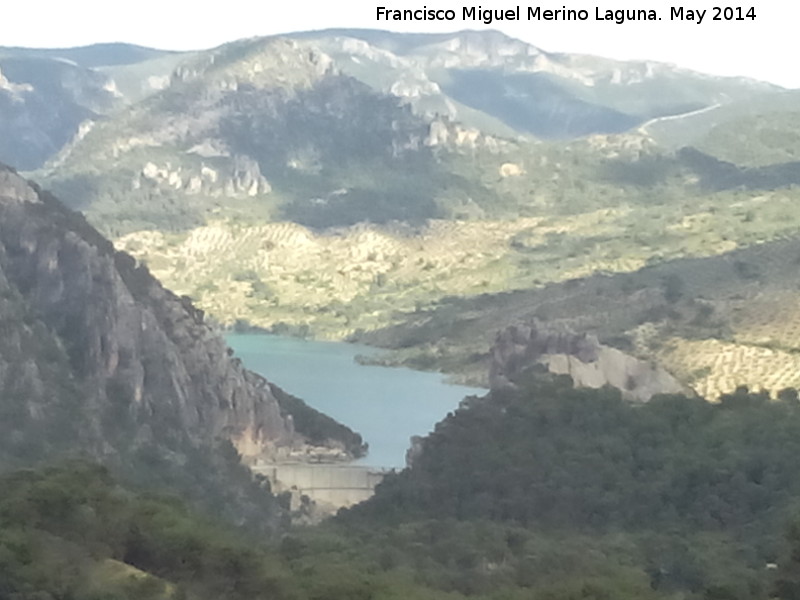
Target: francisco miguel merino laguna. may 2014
<point x="538" y="13"/>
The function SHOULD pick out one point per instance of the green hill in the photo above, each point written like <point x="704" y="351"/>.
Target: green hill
<point x="545" y="492"/>
<point x="574" y="493"/>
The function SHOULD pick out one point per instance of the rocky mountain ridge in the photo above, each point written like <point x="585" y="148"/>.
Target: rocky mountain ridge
<point x="484" y="79"/>
<point x="143" y="359"/>
<point x="489" y="80"/>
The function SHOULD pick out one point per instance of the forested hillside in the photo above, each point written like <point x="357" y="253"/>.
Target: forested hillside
<point x="545" y="492"/>
<point x="555" y="492"/>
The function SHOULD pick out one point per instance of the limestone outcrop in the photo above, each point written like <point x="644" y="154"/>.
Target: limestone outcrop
<point x="581" y="356"/>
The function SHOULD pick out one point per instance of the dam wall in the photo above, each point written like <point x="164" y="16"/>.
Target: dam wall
<point x="338" y="486"/>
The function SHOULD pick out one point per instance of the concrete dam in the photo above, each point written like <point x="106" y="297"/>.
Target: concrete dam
<point x="334" y="485"/>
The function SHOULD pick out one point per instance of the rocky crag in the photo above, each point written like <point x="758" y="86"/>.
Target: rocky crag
<point x="98" y="358"/>
<point x="520" y="348"/>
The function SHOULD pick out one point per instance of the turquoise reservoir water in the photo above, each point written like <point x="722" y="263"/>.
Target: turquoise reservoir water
<point x="385" y="405"/>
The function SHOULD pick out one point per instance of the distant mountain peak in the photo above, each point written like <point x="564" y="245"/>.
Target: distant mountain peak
<point x="273" y="61"/>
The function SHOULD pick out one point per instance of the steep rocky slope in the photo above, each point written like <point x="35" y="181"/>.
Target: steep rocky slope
<point x="520" y="348"/>
<point x="97" y="358"/>
<point x="126" y="337"/>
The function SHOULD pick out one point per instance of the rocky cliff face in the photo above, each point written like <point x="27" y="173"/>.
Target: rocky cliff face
<point x="581" y="356"/>
<point x="142" y="357"/>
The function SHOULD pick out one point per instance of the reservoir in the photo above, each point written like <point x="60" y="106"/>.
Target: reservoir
<point x="385" y="405"/>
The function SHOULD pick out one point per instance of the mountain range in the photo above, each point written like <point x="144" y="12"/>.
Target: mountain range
<point x="341" y="183"/>
<point x="484" y="80"/>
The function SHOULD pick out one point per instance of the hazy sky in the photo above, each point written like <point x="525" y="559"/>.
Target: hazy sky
<point x="762" y="48"/>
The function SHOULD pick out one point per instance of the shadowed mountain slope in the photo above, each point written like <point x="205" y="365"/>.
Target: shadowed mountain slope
<point x="98" y="359"/>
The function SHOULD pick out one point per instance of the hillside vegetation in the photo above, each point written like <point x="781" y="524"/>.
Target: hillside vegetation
<point x="573" y="494"/>
<point x="338" y="184"/>
<point x="716" y="322"/>
<point x="335" y="282"/>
